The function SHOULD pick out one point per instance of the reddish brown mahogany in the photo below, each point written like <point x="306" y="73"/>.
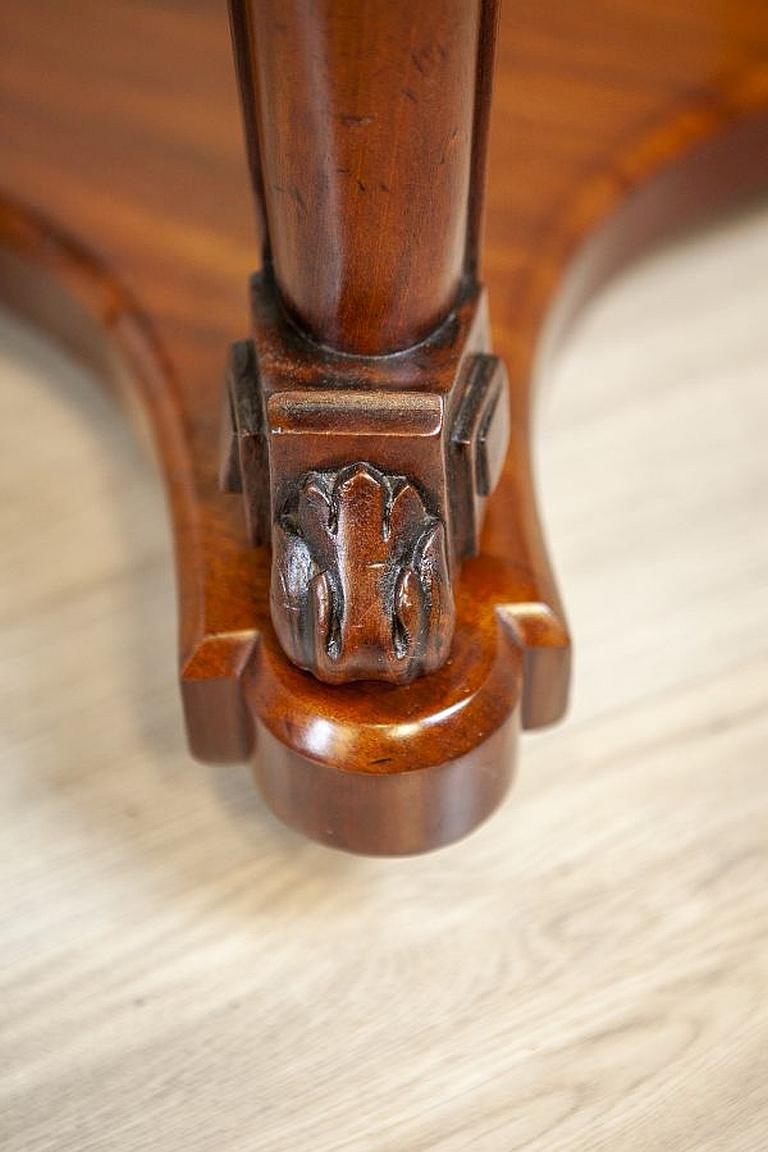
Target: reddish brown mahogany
<point x="366" y="422"/>
<point x="126" y="228"/>
<point x="362" y="123"/>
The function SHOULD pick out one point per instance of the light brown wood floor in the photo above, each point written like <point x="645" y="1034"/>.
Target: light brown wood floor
<point x="589" y="971"/>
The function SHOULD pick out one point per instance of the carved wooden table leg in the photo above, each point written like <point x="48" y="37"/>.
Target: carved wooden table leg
<point x="365" y="413"/>
<point x="367" y="420"/>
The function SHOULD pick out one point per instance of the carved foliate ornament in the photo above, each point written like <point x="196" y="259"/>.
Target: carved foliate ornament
<point x="369" y="477"/>
<point x="360" y="579"/>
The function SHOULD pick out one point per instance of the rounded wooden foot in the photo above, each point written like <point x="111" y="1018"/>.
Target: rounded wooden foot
<point x="390" y="769"/>
<point x="387" y="813"/>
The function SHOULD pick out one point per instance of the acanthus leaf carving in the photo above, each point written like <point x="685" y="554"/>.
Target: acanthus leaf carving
<point x="360" y="577"/>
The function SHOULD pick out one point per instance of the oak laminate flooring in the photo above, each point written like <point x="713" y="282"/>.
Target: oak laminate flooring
<point x="588" y="971"/>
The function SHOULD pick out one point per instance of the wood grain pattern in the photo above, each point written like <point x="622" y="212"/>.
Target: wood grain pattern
<point x="139" y="156"/>
<point x="365" y="117"/>
<point x="588" y="972"/>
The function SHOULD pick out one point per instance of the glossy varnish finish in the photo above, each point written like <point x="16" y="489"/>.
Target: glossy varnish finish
<point x="137" y="151"/>
<point x="369" y="476"/>
<point x="364" y="115"/>
<point x="366" y="421"/>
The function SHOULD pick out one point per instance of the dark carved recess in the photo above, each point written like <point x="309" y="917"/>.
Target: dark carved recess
<point x="244" y="463"/>
<point x="360" y="582"/>
<point x="479" y="441"/>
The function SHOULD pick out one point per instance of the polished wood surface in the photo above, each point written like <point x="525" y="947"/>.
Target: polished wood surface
<point x="366" y="418"/>
<point x="301" y="421"/>
<point x="364" y="117"/>
<point x="634" y="116"/>
<point x="588" y="971"/>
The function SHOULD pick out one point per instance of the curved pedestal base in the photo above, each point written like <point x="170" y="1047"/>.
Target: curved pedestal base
<point x="150" y="296"/>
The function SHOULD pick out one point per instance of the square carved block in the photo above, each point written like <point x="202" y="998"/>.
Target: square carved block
<point x="369" y="476"/>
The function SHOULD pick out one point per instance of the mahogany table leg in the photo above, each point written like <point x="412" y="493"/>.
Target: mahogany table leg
<point x="367" y="420"/>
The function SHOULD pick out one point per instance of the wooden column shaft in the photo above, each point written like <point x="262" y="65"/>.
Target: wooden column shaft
<point x="366" y="124"/>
